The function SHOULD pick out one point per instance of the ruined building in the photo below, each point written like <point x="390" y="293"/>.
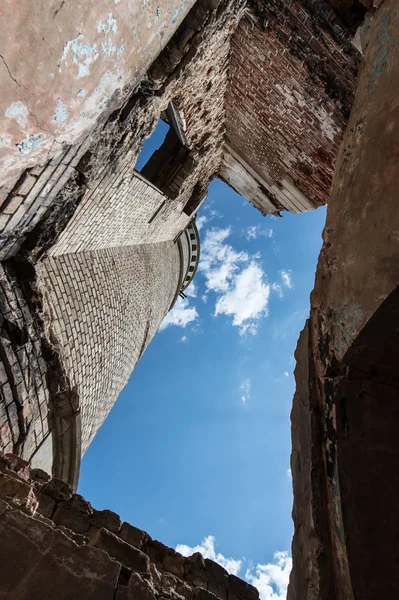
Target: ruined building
<point x="293" y="103"/>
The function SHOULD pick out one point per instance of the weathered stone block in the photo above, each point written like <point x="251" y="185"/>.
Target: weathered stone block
<point x="18" y="492"/>
<point x="132" y="535"/>
<point x="71" y="519"/>
<point x="107" y="519"/>
<point x="155" y="550"/>
<point x="38" y="562"/>
<point x="174" y="563"/>
<point x="79" y="505"/>
<point x="26" y="185"/>
<point x="183" y="589"/>
<point x="217" y="589"/>
<point x="217" y="572"/>
<point x="243" y="589"/>
<point x="195" y="571"/>
<point x="46" y="505"/>
<point x="121" y="551"/>
<point x="57" y="489"/>
<point x="39" y="476"/>
<point x="13" y="205"/>
<point x="139" y="589"/>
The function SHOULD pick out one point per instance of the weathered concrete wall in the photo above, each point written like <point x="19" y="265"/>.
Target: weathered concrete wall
<point x="357" y="271"/>
<point x="55" y="545"/>
<point x="289" y="98"/>
<point x="81" y="64"/>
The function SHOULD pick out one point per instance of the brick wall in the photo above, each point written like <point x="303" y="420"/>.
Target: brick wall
<point x="123" y="209"/>
<point x="24" y="396"/>
<point x="101" y="309"/>
<point x="56" y="545"/>
<point x="289" y="97"/>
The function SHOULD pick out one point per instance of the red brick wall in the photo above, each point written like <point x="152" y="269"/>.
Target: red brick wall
<point x="292" y="79"/>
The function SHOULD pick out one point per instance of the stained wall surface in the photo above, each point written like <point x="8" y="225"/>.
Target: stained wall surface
<point x="80" y="65"/>
<point x="345" y="368"/>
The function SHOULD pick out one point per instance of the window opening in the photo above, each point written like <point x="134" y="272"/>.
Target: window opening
<point x="165" y="159"/>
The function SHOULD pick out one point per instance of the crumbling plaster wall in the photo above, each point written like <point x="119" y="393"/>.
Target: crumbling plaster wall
<point x="63" y="66"/>
<point x="191" y="71"/>
<point x="356" y="272"/>
<point x="55" y="545"/>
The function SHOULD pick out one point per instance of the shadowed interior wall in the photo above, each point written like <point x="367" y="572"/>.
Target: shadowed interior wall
<point x="367" y="400"/>
<point x="340" y="531"/>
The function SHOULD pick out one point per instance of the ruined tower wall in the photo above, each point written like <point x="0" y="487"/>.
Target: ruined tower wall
<point x="101" y="310"/>
<point x="123" y="209"/>
<point x="191" y="71"/>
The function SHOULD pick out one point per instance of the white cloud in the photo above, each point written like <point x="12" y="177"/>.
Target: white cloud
<point x="219" y="262"/>
<point x="204" y="298"/>
<point x="245" y="388"/>
<point x="184" y="339"/>
<point x="252" y="232"/>
<point x="207" y="549"/>
<point x="181" y="314"/>
<point x="200" y="221"/>
<point x="286" y="277"/>
<point x="272" y="579"/>
<point x="289" y="473"/>
<point x="242" y="289"/>
<point x="255" y="231"/>
<point x="275" y="287"/>
<point x="191" y="290"/>
<point x="286" y="374"/>
<point x="246" y="300"/>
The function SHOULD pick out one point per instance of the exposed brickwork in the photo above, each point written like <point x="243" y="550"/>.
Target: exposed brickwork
<point x="24" y="397"/>
<point x="191" y="71"/>
<point x="288" y="99"/>
<point x="120" y="211"/>
<point x="102" y="308"/>
<point x="96" y="554"/>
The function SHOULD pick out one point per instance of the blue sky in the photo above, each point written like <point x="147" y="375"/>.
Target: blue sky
<point x="198" y="443"/>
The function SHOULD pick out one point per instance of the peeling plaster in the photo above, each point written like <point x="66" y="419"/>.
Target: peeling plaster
<point x="31" y="143"/>
<point x="109" y="25"/>
<point x="108" y="48"/>
<point x="17" y="111"/>
<point x="61" y="114"/>
<point x="78" y="53"/>
<point x="177" y="12"/>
